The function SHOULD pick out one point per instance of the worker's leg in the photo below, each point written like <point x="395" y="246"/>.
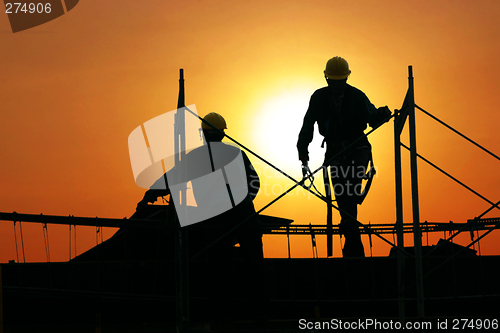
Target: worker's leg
<point x="348" y="212"/>
<point x="346" y="182"/>
<point x="353" y="247"/>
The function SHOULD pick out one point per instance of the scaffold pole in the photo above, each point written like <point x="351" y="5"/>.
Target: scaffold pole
<point x="417" y="234"/>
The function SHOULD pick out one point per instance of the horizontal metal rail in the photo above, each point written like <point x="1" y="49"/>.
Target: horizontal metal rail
<point x="83" y="221"/>
<point x="387" y="228"/>
<point x="267" y="228"/>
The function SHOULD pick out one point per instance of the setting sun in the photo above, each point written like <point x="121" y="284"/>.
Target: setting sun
<point x="279" y="121"/>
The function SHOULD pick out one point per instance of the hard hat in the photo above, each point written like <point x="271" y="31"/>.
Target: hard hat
<point x="214" y="119"/>
<point x="337" y="68"/>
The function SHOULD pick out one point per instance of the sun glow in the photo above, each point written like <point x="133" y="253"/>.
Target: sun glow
<point x="279" y="123"/>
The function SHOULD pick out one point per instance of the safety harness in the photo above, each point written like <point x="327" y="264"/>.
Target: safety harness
<point x="307" y="175"/>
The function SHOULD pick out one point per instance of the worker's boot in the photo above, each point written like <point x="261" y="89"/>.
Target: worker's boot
<point x="353" y="247"/>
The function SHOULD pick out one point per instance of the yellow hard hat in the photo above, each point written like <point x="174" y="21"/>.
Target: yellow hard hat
<point x="215" y="119"/>
<point x="337" y="68"/>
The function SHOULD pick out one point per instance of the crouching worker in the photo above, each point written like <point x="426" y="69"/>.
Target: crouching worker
<point x="223" y="200"/>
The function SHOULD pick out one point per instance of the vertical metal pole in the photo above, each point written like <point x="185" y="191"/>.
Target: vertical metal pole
<point x="417" y="234"/>
<point x="329" y="221"/>
<point x="288" y="238"/>
<point x="181" y="239"/>
<point x="399" y="217"/>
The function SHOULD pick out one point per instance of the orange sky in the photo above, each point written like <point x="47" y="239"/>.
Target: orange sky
<point x="73" y="89"/>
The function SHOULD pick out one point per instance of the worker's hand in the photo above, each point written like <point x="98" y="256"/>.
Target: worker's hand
<point x="305" y="164"/>
<point x="305" y="170"/>
<point x="384" y="113"/>
<point x="149" y="197"/>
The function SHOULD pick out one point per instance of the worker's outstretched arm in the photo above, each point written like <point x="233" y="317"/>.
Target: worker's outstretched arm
<point x="156" y="191"/>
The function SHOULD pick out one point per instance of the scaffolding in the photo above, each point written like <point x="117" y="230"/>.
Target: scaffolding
<point x="399" y="228"/>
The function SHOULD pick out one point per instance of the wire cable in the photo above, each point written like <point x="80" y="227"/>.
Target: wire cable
<point x="457" y="132"/>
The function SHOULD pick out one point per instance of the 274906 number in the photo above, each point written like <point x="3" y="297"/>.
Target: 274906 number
<point x="460" y="324"/>
<point x="25" y="7"/>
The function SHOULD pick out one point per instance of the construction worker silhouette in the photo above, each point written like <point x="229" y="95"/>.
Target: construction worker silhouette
<point x="221" y="221"/>
<point x="208" y="232"/>
<point x="342" y="113"/>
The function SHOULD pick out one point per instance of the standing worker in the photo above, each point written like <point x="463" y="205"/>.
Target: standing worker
<point x="342" y="113"/>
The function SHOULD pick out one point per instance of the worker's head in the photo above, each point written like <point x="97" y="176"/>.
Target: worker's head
<point x="217" y="121"/>
<point x="337" y="68"/>
<point x="336" y="73"/>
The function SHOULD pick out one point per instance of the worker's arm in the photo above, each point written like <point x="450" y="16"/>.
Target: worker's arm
<point x="158" y="189"/>
<point x="307" y="132"/>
